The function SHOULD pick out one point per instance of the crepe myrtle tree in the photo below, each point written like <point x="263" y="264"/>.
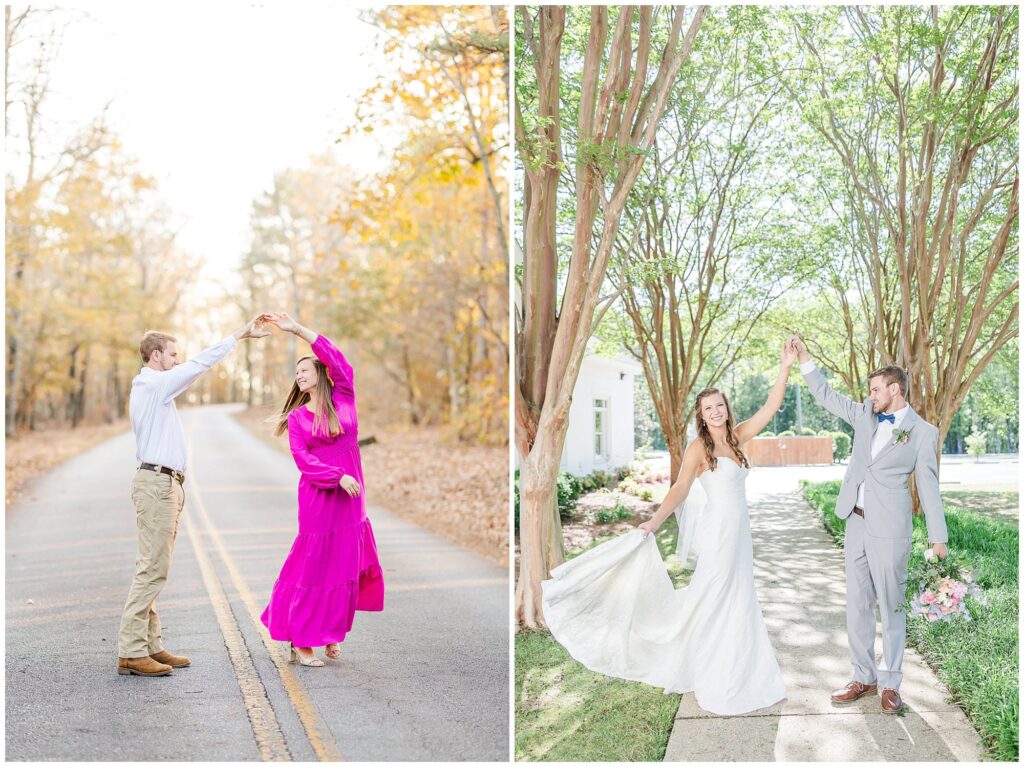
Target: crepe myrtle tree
<point x="603" y="77"/>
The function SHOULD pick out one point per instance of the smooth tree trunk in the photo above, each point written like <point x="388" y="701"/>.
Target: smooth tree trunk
<point x="539" y="531"/>
<point x="622" y="115"/>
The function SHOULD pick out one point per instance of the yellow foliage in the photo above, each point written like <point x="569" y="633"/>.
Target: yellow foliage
<point x="90" y="263"/>
<point x="408" y="267"/>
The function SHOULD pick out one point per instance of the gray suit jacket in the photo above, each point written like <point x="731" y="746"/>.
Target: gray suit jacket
<point x="887" y="505"/>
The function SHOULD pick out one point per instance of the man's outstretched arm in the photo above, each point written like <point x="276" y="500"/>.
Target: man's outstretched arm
<point x="180" y="377"/>
<point x="835" y="403"/>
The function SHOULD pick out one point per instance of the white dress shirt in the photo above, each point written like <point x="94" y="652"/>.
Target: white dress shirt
<point x="159" y="436"/>
<point x="883" y="434"/>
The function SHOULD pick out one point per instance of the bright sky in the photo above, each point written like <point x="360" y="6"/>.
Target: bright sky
<point x="214" y="98"/>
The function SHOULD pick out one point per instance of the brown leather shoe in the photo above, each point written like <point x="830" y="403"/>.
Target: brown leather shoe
<point x="891" y="702"/>
<point x="144" y="666"/>
<point x="853" y="691"/>
<point x="177" y="661"/>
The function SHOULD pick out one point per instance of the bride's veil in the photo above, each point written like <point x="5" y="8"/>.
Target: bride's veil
<point x="688" y="516"/>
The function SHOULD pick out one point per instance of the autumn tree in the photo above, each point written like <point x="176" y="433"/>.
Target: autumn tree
<point x="90" y="253"/>
<point x="426" y="295"/>
<point x="605" y="74"/>
<point x="292" y="262"/>
<point x="37" y="161"/>
<point x="408" y="261"/>
<point x="431" y="227"/>
<point x="454" y="59"/>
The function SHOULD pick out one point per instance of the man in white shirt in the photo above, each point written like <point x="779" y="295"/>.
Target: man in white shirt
<point x="157" y="490"/>
<point x="890" y="442"/>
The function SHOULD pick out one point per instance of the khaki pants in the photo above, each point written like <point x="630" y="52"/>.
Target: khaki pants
<point x="158" y="500"/>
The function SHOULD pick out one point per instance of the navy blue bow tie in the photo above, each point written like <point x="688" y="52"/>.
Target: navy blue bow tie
<point x="891" y="418"/>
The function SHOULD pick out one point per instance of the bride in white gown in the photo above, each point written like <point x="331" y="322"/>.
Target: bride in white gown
<point x="615" y="610"/>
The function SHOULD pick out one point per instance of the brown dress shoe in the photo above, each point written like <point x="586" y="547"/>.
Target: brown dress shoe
<point x="177" y="661"/>
<point x="853" y="691"/>
<point x="891" y="701"/>
<point x="144" y="666"/>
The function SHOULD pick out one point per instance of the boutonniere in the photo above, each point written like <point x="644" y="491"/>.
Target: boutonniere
<point x="900" y="437"/>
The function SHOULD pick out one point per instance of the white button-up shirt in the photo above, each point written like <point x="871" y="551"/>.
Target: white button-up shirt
<point x="882" y="434"/>
<point x="159" y="436"/>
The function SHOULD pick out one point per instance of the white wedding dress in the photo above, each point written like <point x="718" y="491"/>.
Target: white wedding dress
<point x="615" y="610"/>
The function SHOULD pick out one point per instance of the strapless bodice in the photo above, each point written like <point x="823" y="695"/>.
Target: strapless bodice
<point x="726" y="483"/>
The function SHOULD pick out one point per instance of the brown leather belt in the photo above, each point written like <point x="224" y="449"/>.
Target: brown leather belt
<point x="178" y="475"/>
<point x="858" y="511"/>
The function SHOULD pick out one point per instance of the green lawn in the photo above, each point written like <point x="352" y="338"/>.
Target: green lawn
<point x="1002" y="506"/>
<point x="976" y="660"/>
<point x="566" y="713"/>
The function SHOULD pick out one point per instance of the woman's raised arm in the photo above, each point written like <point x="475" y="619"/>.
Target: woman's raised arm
<point x="337" y="366"/>
<point x="753" y="426"/>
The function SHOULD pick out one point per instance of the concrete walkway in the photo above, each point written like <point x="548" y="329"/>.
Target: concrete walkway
<point x="801" y="588"/>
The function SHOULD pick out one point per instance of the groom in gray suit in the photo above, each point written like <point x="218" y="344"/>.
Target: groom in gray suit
<point x="890" y="441"/>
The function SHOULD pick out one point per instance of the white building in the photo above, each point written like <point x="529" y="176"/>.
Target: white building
<point x="600" y="434"/>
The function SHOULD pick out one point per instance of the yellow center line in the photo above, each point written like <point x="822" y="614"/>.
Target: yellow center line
<point x="317" y="732"/>
<point x="269" y="739"/>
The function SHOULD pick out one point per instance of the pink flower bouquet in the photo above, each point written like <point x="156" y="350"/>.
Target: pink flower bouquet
<point x="941" y="597"/>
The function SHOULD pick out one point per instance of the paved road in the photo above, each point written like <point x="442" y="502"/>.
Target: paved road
<point x="801" y="589"/>
<point x="427" y="679"/>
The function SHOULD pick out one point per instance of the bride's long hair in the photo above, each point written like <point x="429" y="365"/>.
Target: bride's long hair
<point x="325" y="417"/>
<point x="704" y="435"/>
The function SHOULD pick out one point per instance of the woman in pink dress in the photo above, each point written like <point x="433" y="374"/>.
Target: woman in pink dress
<point x="332" y="569"/>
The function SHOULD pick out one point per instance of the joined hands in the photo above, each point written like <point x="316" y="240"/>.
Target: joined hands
<point x="798" y="347"/>
<point x="283" y="321"/>
<point x="254" y="328"/>
<point x="257" y="327"/>
<point x="789" y="352"/>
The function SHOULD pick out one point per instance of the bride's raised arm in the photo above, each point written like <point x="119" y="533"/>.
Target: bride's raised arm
<point x="753" y="426"/>
<point x="680" y="488"/>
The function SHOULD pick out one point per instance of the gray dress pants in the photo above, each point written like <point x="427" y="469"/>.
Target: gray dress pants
<point x="876" y="573"/>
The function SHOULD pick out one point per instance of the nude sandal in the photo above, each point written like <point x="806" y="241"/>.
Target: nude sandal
<point x="297" y="657"/>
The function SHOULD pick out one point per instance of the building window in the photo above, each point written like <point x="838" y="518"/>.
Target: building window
<point x="601" y="429"/>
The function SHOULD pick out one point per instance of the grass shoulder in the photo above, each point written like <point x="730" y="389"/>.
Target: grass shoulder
<point x="565" y="712"/>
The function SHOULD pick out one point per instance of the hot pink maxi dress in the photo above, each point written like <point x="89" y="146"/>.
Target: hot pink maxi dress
<point x="332" y="569"/>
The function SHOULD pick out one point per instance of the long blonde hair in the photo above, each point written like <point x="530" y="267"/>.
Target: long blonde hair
<point x="325" y="417"/>
<point x="704" y="434"/>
